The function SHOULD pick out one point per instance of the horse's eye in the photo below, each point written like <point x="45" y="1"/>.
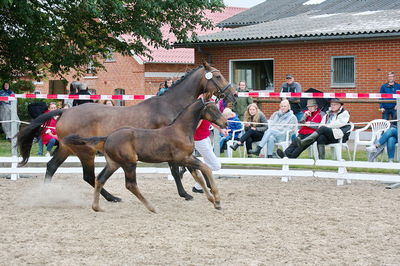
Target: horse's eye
<point x="218" y="77"/>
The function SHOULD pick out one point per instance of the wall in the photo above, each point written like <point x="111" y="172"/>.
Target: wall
<point x="174" y="70"/>
<point x="126" y="73"/>
<point x="310" y="63"/>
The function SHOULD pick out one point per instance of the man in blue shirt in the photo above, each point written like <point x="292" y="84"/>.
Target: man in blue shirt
<point x="388" y="109"/>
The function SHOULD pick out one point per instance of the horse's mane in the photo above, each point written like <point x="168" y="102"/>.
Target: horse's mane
<point x="181" y="112"/>
<point x="187" y="74"/>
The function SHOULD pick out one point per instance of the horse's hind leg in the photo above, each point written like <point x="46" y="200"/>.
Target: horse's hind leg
<point x="206" y="179"/>
<point x="131" y="185"/>
<point x="59" y="156"/>
<point x="195" y="163"/>
<point x="100" y="181"/>
<point x="89" y="176"/>
<point x="177" y="176"/>
<point x="200" y="180"/>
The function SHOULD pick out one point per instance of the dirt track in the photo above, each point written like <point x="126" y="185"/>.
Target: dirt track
<point x="263" y="222"/>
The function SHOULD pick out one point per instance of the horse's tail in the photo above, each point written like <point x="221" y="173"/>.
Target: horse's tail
<point x="75" y="139"/>
<point x="26" y="135"/>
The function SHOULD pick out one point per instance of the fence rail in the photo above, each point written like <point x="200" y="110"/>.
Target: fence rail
<point x="286" y="174"/>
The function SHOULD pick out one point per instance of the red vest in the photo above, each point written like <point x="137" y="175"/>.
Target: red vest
<point x="203" y="131"/>
<point x="316" y="118"/>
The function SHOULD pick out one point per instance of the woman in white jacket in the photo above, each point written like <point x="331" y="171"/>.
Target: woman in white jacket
<point x="333" y="127"/>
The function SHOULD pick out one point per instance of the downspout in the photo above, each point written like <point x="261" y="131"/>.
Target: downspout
<point x="204" y="53"/>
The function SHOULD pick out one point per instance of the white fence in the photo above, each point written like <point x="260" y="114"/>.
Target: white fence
<point x="286" y="174"/>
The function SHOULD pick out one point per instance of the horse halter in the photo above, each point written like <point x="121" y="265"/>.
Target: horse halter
<point x="221" y="91"/>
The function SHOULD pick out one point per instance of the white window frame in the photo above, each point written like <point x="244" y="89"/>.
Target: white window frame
<point x="343" y="85"/>
<point x="231" y="61"/>
<point x="89" y="71"/>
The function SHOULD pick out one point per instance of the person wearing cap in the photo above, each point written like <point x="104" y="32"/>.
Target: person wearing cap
<point x="241" y="104"/>
<point x="310" y="120"/>
<point x="334" y="126"/>
<point x="388" y="109"/>
<point x="292" y="86"/>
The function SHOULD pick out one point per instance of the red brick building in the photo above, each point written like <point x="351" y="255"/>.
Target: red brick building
<point x="137" y="74"/>
<point x="327" y="46"/>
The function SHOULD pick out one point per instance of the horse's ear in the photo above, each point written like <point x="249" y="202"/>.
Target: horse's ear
<point x="206" y="65"/>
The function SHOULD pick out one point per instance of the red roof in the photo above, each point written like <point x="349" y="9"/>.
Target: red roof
<point x="186" y="55"/>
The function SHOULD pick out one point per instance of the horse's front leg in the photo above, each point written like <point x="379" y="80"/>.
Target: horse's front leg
<point x="193" y="163"/>
<point x="177" y="177"/>
<point x="100" y="181"/>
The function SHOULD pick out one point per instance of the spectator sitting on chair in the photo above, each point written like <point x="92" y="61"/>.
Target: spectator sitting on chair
<point x="253" y="132"/>
<point x="390" y="138"/>
<point x="311" y="119"/>
<point x="49" y="134"/>
<point x="235" y="125"/>
<point x="388" y="109"/>
<point x="280" y="123"/>
<point x="334" y="126"/>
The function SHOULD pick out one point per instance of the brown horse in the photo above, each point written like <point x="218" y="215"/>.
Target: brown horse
<point x="100" y="120"/>
<point x="174" y="143"/>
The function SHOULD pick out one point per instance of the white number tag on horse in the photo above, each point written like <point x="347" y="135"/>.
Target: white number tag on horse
<point x="209" y="75"/>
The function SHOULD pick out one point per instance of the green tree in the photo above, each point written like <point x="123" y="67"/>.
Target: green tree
<point x="55" y="36"/>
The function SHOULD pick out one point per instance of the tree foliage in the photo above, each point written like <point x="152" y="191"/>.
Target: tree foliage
<point x="55" y="36"/>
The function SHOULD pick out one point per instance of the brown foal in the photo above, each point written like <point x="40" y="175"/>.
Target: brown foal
<point x="174" y="143"/>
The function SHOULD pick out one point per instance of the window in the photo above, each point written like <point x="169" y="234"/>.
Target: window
<point x="257" y="73"/>
<point x="109" y="56"/>
<point x="343" y="71"/>
<point x="119" y="92"/>
<point x="57" y="86"/>
<point x="90" y="69"/>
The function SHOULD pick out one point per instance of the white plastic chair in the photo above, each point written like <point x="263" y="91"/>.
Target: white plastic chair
<point x="378" y="126"/>
<point x="283" y="144"/>
<point x="336" y="148"/>
<point x="232" y="141"/>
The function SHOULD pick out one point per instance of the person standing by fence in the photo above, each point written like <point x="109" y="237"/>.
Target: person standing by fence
<point x="388" y="109"/>
<point x="291" y="86"/>
<point x="5" y="110"/>
<point x="240" y="106"/>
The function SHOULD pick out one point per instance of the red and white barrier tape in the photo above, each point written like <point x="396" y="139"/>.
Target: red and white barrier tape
<point x="241" y="122"/>
<point x="341" y="95"/>
<point x="253" y="94"/>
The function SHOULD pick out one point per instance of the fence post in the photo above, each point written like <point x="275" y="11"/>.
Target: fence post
<point x="216" y="142"/>
<point x="398" y="123"/>
<point x="14" y="131"/>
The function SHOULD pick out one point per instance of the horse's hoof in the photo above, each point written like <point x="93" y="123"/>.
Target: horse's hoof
<point x="114" y="199"/>
<point x="97" y="209"/>
<point x="217" y="205"/>
<point x="188" y="197"/>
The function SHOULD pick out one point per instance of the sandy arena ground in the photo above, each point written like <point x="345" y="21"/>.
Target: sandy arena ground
<point x="263" y="222"/>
